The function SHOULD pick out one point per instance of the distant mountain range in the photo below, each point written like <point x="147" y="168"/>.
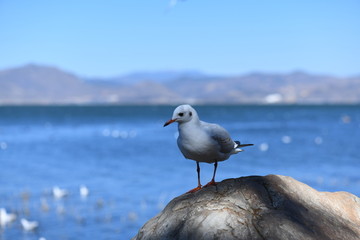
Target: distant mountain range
<point x="34" y="84"/>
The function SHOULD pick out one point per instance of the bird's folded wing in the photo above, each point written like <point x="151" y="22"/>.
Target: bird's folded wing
<point x="221" y="136"/>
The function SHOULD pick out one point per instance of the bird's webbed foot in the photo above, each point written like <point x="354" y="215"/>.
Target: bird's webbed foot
<point x="211" y="183"/>
<point x="194" y="189"/>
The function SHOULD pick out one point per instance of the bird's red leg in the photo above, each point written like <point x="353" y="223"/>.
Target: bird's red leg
<point x="199" y="184"/>
<point x="212" y="182"/>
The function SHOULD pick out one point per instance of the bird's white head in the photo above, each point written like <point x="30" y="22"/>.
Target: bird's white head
<point x="183" y="113"/>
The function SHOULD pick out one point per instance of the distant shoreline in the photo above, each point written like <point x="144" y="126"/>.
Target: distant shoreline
<point x="41" y="85"/>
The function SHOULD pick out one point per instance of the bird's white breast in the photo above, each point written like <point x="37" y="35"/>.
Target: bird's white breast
<point x="196" y="144"/>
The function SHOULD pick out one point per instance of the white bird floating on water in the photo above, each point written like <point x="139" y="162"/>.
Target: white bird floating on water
<point x="84" y="191"/>
<point x="6" y="218"/>
<point x="29" y="225"/>
<point x="202" y="141"/>
<point x="59" y="193"/>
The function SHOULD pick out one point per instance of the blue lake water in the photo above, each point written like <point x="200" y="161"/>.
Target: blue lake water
<point x="133" y="168"/>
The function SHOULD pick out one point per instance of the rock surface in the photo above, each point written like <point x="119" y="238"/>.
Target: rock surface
<point x="270" y="207"/>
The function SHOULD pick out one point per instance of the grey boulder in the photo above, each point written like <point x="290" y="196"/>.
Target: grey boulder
<point x="256" y="207"/>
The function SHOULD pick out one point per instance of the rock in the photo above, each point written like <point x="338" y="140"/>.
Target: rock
<point x="255" y="207"/>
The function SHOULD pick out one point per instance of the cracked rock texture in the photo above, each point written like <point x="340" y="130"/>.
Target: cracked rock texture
<point x="270" y="207"/>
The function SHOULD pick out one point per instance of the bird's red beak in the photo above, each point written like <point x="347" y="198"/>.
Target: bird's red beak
<point x="169" y="122"/>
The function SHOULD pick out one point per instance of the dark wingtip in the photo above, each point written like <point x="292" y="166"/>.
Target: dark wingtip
<point x="239" y="145"/>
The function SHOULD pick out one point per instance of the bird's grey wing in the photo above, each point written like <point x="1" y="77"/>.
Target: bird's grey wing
<point x="220" y="135"/>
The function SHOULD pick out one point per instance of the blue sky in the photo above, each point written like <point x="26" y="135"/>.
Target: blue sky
<point x="112" y="37"/>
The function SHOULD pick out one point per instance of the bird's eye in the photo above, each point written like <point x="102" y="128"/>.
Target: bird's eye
<point x="190" y="113"/>
<point x="181" y="114"/>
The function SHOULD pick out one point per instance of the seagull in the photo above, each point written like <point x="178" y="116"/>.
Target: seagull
<point x="59" y="193"/>
<point x="29" y="225"/>
<point x="84" y="191"/>
<point x="6" y="218"/>
<point x="201" y="141"/>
